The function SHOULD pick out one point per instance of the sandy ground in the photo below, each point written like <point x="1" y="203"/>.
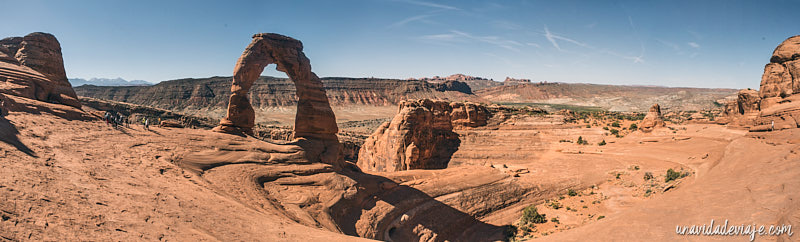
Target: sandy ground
<point x="80" y="179"/>
<point x="85" y="180"/>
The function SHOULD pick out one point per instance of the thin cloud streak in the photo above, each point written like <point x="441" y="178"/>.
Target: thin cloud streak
<point x="553" y="37"/>
<point x="410" y="19"/>
<point x="459" y="36"/>
<point x="430" y="4"/>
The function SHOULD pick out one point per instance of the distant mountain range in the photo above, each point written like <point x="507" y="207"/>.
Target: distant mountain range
<point x="107" y="82"/>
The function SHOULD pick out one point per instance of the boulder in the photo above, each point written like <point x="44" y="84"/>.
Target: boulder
<point x="170" y="124"/>
<point x="420" y="136"/>
<point x="315" y="124"/>
<point x="32" y="67"/>
<point x="652" y="120"/>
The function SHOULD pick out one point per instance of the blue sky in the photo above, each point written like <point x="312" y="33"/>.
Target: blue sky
<point x="668" y="43"/>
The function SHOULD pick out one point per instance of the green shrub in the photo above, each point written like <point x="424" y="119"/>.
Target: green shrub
<point x="571" y="192"/>
<point x="555" y="220"/>
<point x="648" y="175"/>
<point x="614" y="131"/>
<point x="601" y="217"/>
<point x="633" y="127"/>
<point x="674" y="175"/>
<point x="615" y="124"/>
<point x="602" y="143"/>
<point x="530" y="215"/>
<point x="582" y="141"/>
<point x="555" y="205"/>
<point x="605" y="128"/>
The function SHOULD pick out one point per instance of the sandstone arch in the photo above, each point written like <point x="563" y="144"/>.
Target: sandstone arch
<point x="315" y="122"/>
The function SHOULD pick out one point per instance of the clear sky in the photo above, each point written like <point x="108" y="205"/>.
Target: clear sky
<point x="693" y="43"/>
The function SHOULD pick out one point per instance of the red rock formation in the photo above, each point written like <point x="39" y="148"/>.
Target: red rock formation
<point x="743" y="110"/>
<point x="315" y="123"/>
<point x="419" y="137"/>
<point x="652" y="120"/>
<point x="468" y="114"/>
<point x="32" y="67"/>
<point x="776" y="81"/>
<point x="747" y="101"/>
<point x="780" y="104"/>
<point x="782" y="75"/>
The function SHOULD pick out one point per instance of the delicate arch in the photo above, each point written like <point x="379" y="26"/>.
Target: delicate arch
<point x="314" y="119"/>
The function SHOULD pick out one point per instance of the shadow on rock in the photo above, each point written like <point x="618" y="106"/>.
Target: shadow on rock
<point x="384" y="210"/>
<point x="8" y="135"/>
<point x="279" y="178"/>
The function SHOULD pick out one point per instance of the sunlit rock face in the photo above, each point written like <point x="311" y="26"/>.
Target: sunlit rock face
<point x="32" y="67"/>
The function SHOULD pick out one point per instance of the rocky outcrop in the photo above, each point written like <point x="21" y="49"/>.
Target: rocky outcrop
<point x="780" y="104"/>
<point x="652" y="120"/>
<point x="466" y="114"/>
<point x="420" y="136"/>
<point x="32" y="67"/>
<point x="315" y="122"/>
<point x="782" y="75"/>
<point x="743" y="110"/>
<point x="475" y="83"/>
<point x="776" y="81"/>
<point x="747" y="101"/>
<point x="454" y="86"/>
<point x="512" y="81"/>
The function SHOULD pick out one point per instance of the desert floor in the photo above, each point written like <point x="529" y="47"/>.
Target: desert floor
<point x="81" y="179"/>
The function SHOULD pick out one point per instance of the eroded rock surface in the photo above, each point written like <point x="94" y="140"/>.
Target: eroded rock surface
<point x="653" y="119"/>
<point x="420" y="136"/>
<point x="32" y="67"/>
<point x="466" y="114"/>
<point x="315" y="123"/>
<point x="779" y="104"/>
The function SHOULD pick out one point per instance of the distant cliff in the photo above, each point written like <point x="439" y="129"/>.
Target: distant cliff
<point x="610" y="97"/>
<point x="204" y="93"/>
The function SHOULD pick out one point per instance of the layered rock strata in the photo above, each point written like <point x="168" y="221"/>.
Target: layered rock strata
<point x="420" y="136"/>
<point x="32" y="67"/>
